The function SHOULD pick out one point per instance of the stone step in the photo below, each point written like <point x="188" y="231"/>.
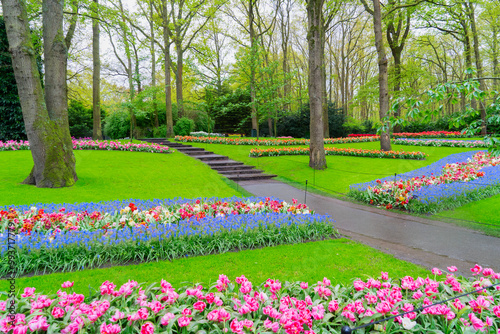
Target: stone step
<point x="237" y="171"/>
<point x="209" y="157"/>
<point x="195" y="152"/>
<point x="218" y="163"/>
<point x="176" y="145"/>
<point x="222" y="169"/>
<point x="188" y="149"/>
<point x="250" y="177"/>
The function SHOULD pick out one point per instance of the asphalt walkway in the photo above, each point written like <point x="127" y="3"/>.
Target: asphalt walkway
<point x="425" y="242"/>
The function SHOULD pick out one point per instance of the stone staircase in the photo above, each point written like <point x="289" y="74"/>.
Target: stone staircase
<point x="233" y="170"/>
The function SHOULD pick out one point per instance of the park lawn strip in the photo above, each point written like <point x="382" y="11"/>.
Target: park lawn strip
<point x="112" y="175"/>
<point x="340" y="260"/>
<point x="480" y="215"/>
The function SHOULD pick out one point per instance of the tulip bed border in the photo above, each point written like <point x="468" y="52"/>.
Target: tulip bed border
<point x="89" y="144"/>
<point x="440" y="143"/>
<point x="271" y="307"/>
<point x="437" y="191"/>
<point x="274" y="152"/>
<point x="153" y="235"/>
<point x="271" y="142"/>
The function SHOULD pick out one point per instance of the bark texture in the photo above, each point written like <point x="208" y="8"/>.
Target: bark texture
<point x="45" y="118"/>
<point x="96" y="74"/>
<point x="317" y="158"/>
<point x="385" y="140"/>
<point x="168" y="79"/>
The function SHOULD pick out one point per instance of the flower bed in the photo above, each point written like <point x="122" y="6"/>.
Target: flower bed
<point x="240" y="306"/>
<point x="361" y="135"/>
<point x="440" y="142"/>
<point x="89" y="144"/>
<point x="430" y="134"/>
<point x="271" y="142"/>
<point x="117" y="215"/>
<point x="273" y="152"/>
<point x="447" y="183"/>
<point x="72" y="241"/>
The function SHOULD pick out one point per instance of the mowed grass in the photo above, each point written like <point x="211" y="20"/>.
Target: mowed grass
<point x="340" y="260"/>
<point x="112" y="175"/>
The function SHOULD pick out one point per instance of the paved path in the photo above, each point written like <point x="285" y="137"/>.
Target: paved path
<point x="426" y="242"/>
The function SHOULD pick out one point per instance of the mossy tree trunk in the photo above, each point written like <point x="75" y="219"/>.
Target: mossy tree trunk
<point x="45" y="118"/>
<point x="317" y="158"/>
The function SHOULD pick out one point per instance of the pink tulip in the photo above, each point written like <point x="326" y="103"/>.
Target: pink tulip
<point x="67" y="284"/>
<point x="110" y="329"/>
<point x="200" y="306"/>
<point x="28" y="292"/>
<point x="57" y="312"/>
<point x="147" y="328"/>
<point x="183" y="321"/>
<point x="166" y="318"/>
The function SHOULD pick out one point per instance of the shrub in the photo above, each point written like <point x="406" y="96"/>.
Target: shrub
<point x="183" y="126"/>
<point x="80" y="120"/>
<point x="117" y="125"/>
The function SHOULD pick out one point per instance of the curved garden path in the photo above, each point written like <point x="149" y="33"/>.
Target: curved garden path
<point x="425" y="242"/>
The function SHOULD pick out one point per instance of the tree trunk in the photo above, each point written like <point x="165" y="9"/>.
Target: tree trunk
<point x="178" y="80"/>
<point x="168" y="80"/>
<point x="153" y="65"/>
<point x="479" y="65"/>
<point x="96" y="75"/>
<point x="253" y="64"/>
<point x="385" y="140"/>
<point x="46" y="121"/>
<point x="494" y="54"/>
<point x="317" y="158"/>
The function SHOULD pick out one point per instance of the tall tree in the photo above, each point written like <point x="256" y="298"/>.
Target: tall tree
<point x="479" y="64"/>
<point x="45" y="118"/>
<point x="398" y="29"/>
<point x="315" y="25"/>
<point x="383" y="84"/>
<point x="184" y="15"/>
<point x="96" y="74"/>
<point x="253" y="19"/>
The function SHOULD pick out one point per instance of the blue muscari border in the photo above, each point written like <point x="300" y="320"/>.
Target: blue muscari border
<point x="433" y="193"/>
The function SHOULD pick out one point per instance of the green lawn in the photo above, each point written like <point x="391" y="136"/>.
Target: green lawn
<point x="340" y="260"/>
<point x="111" y="175"/>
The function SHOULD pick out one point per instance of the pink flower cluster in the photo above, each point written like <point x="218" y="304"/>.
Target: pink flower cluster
<point x="38" y="220"/>
<point x="240" y="307"/>
<point x="89" y="144"/>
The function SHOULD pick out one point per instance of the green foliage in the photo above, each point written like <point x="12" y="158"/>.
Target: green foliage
<point x="231" y="111"/>
<point x="117" y="125"/>
<point x="11" y="116"/>
<point x="203" y="122"/>
<point x="183" y="127"/>
<point x="423" y="108"/>
<point x="297" y="124"/>
<point x="80" y="120"/>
